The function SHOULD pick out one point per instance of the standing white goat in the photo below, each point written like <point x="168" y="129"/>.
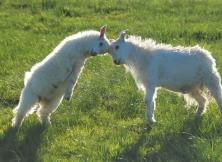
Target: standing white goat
<point x="188" y="70"/>
<point x="55" y="77"/>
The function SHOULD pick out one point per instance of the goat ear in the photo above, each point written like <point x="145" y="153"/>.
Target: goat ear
<point x="123" y="34"/>
<point x="102" y="31"/>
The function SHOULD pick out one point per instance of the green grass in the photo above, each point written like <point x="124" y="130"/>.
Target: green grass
<point x="104" y="121"/>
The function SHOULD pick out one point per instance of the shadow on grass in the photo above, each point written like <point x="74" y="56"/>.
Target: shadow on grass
<point x="131" y="152"/>
<point x="174" y="146"/>
<point x="11" y="149"/>
<point x="179" y="146"/>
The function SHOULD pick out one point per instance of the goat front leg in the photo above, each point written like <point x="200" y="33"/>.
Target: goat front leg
<point x="150" y="105"/>
<point x="71" y="81"/>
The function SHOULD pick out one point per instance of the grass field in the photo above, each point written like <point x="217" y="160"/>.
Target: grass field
<point x="104" y="121"/>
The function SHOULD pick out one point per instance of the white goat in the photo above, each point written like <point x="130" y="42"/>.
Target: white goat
<point x="55" y="77"/>
<point x="188" y="70"/>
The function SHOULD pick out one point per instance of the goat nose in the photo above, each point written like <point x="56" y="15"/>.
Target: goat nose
<point x="116" y="62"/>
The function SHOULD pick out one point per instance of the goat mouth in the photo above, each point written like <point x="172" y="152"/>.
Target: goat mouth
<point x="93" y="53"/>
<point x="117" y="62"/>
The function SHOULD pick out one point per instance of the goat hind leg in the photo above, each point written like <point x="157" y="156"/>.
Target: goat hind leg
<point x="150" y="103"/>
<point x="27" y="101"/>
<point x="46" y="109"/>
<point x="215" y="88"/>
<point x="201" y="100"/>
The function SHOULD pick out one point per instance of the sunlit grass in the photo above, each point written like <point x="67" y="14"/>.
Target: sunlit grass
<point x="104" y="121"/>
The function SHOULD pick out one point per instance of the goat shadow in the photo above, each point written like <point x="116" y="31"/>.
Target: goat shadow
<point x="12" y="149"/>
<point x="173" y="146"/>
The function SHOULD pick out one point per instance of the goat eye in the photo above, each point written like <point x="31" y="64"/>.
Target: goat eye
<point x="101" y="44"/>
<point x="116" y="47"/>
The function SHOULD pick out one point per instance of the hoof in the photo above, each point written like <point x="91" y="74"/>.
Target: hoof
<point x="15" y="123"/>
<point x="151" y="121"/>
<point x="45" y="121"/>
<point x="199" y="114"/>
<point x="68" y="98"/>
<point x="147" y="128"/>
<point x="15" y="126"/>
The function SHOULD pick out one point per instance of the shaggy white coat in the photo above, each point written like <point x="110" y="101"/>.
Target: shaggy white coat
<point x="55" y="77"/>
<point x="188" y="70"/>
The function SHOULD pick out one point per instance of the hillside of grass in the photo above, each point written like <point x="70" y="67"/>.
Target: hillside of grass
<point x="104" y="121"/>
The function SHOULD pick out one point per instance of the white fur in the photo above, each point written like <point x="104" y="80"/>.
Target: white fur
<point x="55" y="77"/>
<point x="188" y="70"/>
